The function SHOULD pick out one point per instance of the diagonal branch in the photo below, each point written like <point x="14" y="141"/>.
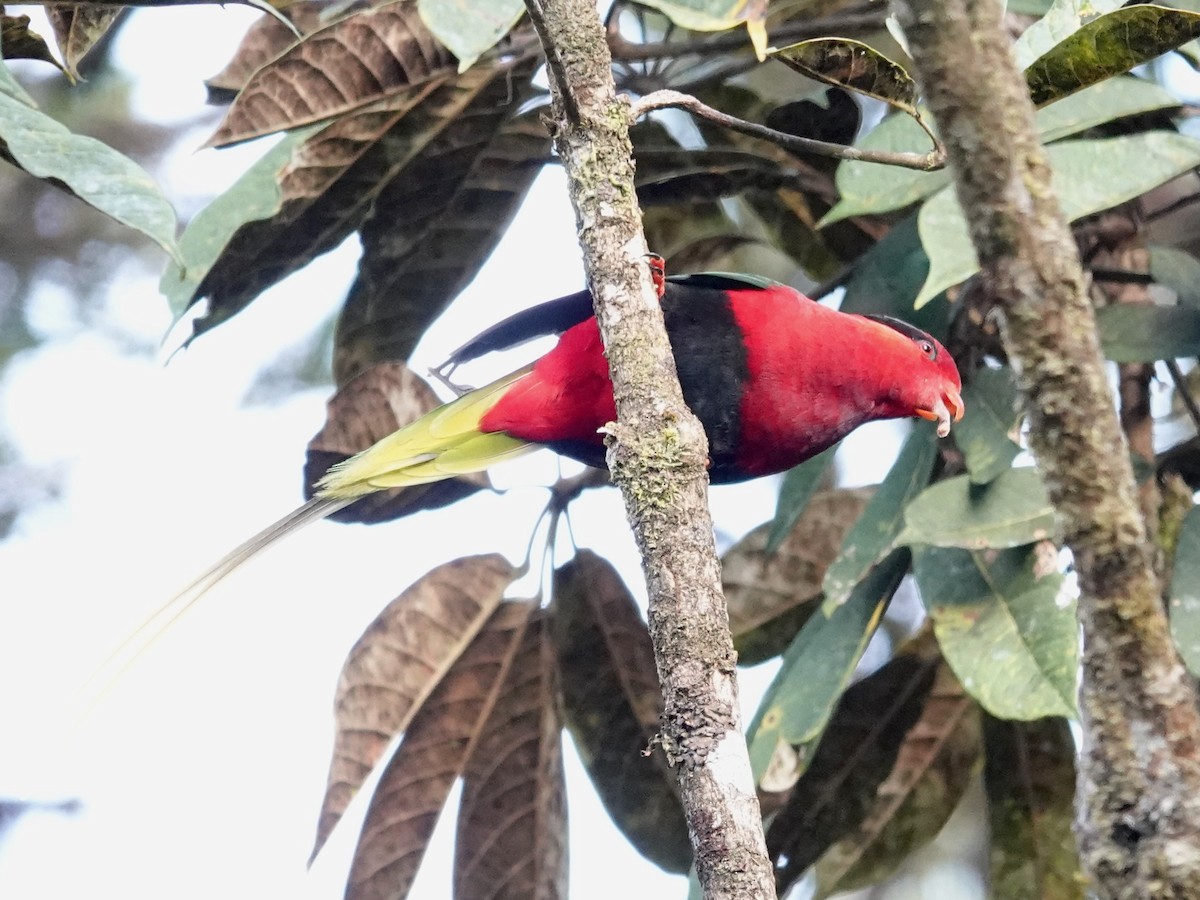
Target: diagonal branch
<point x="1138" y="805"/>
<point x="664" y="99"/>
<point x="657" y="454"/>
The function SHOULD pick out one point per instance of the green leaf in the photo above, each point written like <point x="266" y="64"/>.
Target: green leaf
<point x="1029" y="775"/>
<point x="867" y="188"/>
<point x="1185" y="592"/>
<point x="708" y="15"/>
<point x="854" y="66"/>
<point x="254" y="196"/>
<point x="1143" y="333"/>
<point x="9" y="88"/>
<point x="1089" y="176"/>
<point x="799" y="484"/>
<point x="1107" y="46"/>
<point x="1005" y="626"/>
<point x="874" y="534"/>
<point x="470" y="27"/>
<point x="1177" y="270"/>
<point x="1029" y="7"/>
<point x="988" y="430"/>
<point x="92" y="171"/>
<point x="885" y="281"/>
<point x="1116" y="98"/>
<point x="1060" y="21"/>
<point x="818" y="665"/>
<point x="1010" y="511"/>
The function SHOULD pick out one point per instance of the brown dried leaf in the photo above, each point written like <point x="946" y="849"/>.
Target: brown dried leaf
<point x="373" y="405"/>
<point x="414" y="786"/>
<point x="335" y="177"/>
<point x="398" y="662"/>
<point x="342" y="67"/>
<point x="326" y="189"/>
<point x="889" y="769"/>
<point x="77" y="28"/>
<point x="18" y="42"/>
<point x="436" y="223"/>
<point x="512" y="825"/>
<point x="854" y="66"/>
<point x="612" y="703"/>
<point x="936" y="764"/>
<point x="264" y="40"/>
<point x="771" y="597"/>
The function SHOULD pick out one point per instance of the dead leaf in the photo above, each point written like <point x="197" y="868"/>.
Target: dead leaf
<point x="78" y="27"/>
<point x="18" y="42"/>
<point x="264" y="40"/>
<point x="326" y="189"/>
<point x="334" y="178"/>
<point x="612" y="704"/>
<point x="436" y="223"/>
<point x="398" y="662"/>
<point x="337" y="69"/>
<point x="854" y="66"/>
<point x="512" y="826"/>
<point x="413" y="788"/>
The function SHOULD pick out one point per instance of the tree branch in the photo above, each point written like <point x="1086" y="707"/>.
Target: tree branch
<point x="1138" y="810"/>
<point x="666" y="99"/>
<point x="657" y="454"/>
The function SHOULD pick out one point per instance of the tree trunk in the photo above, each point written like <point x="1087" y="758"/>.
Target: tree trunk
<point x="1138" y="804"/>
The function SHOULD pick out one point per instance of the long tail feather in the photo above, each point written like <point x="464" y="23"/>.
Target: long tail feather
<point x="133" y="646"/>
<point x="440" y="445"/>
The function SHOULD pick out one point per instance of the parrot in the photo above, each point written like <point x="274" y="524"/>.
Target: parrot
<point x="773" y="376"/>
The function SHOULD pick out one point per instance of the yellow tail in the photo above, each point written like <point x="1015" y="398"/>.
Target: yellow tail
<point x="441" y="444"/>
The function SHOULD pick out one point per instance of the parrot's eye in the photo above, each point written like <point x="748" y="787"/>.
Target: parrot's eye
<point x="928" y="349"/>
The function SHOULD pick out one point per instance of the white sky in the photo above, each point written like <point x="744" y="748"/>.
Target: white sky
<point x="201" y="774"/>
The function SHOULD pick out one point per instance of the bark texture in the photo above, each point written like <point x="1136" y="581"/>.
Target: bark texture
<point x="1138" y="803"/>
<point x="658" y="456"/>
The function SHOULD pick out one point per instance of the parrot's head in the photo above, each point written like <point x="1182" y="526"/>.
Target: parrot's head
<point x="926" y="382"/>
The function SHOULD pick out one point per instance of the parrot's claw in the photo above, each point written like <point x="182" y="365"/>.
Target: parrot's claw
<point x="441" y="376"/>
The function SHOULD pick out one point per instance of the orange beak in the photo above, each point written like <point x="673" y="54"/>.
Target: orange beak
<point x="948" y="408"/>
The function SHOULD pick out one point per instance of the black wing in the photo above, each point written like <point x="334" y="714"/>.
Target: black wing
<point x="556" y="316"/>
<point x="551" y="317"/>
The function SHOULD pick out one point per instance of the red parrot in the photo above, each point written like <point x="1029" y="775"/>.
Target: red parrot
<point x="774" y="377"/>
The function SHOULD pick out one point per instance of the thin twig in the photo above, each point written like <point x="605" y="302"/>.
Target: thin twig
<point x="666" y="99"/>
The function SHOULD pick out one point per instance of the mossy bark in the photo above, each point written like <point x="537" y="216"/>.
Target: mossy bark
<point x="1138" y="797"/>
<point x="658" y="456"/>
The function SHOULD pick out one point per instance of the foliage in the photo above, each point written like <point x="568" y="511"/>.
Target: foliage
<point x="415" y="126"/>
